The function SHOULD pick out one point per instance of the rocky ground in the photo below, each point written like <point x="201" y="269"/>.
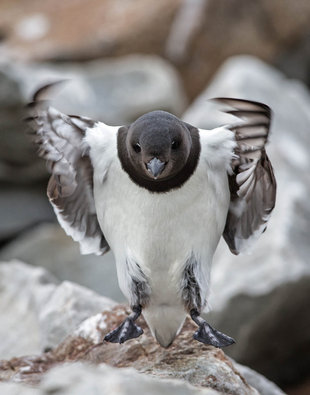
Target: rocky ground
<point x="56" y="308"/>
<point x="76" y="357"/>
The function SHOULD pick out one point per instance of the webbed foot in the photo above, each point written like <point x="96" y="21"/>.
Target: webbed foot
<point x="208" y="335"/>
<point x="126" y="331"/>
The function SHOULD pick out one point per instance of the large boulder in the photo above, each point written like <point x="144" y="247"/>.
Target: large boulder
<point x="262" y="299"/>
<point x="37" y="312"/>
<point x="192" y="365"/>
<point x="48" y="246"/>
<point x="21" y="288"/>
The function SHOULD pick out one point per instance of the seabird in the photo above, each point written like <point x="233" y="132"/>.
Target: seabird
<point x="160" y="193"/>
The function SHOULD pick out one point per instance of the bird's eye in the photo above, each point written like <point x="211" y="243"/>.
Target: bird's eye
<point x="175" y="144"/>
<point x="137" y="147"/>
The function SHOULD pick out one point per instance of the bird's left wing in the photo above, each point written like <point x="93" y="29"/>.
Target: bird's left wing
<point x="60" y="140"/>
<point x="252" y="184"/>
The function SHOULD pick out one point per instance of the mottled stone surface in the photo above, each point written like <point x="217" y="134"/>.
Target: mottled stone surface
<point x="186" y="360"/>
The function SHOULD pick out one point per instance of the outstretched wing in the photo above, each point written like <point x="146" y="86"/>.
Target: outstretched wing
<point x="252" y="184"/>
<point x="59" y="139"/>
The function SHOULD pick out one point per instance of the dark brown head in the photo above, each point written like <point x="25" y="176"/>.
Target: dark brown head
<point x="159" y="151"/>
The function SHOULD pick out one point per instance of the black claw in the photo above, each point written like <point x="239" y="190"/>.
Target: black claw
<point x="206" y="334"/>
<point x="126" y="331"/>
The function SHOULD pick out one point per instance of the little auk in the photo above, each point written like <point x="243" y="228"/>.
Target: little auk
<point x="159" y="193"/>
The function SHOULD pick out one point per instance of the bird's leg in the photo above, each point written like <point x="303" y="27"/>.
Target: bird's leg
<point x="194" y="301"/>
<point x="139" y="291"/>
<point x="128" y="329"/>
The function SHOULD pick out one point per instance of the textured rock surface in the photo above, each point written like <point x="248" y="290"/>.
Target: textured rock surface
<point x="48" y="246"/>
<point x="76" y="378"/>
<point x="67" y="306"/>
<point x="38" y="313"/>
<point x="187" y="360"/>
<point x="39" y="306"/>
<point x="261" y="299"/>
<point x="81" y="378"/>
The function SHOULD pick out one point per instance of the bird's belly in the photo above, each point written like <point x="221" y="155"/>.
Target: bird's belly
<point x="160" y="231"/>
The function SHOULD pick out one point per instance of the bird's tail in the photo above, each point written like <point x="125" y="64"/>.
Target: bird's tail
<point x="164" y="322"/>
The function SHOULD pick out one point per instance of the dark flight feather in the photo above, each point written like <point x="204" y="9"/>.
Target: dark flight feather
<point x="252" y="184"/>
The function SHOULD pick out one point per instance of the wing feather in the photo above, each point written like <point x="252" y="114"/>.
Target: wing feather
<point x="252" y="184"/>
<point x="60" y="141"/>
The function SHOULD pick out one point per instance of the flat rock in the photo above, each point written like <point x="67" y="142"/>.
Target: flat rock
<point x="261" y="299"/>
<point x="48" y="246"/>
<point x="186" y="360"/>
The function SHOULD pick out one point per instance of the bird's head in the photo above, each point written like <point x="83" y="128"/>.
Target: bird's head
<point x="158" y="145"/>
<point x="156" y="148"/>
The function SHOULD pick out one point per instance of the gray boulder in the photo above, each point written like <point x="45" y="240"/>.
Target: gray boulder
<point x="261" y="299"/>
<point x="36" y="312"/>
<point x="22" y="288"/>
<point x="48" y="246"/>
<point x="68" y="306"/>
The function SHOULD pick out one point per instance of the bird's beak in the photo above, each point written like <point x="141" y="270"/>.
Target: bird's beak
<point x="155" y="167"/>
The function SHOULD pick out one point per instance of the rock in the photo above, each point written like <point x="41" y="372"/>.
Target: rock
<point x="21" y="287"/>
<point x="48" y="246"/>
<point x="197" y="35"/>
<point x="36" y="313"/>
<point x="67" y="307"/>
<point x="256" y="380"/>
<point x="97" y="28"/>
<point x="80" y="377"/>
<point x="21" y="208"/>
<point x="18" y="389"/>
<point x="186" y="360"/>
<point x="262" y="299"/>
<point x="205" y="33"/>
<point x="115" y="91"/>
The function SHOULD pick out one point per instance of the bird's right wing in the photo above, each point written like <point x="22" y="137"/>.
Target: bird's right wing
<point x="252" y="184"/>
<point x="60" y="140"/>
